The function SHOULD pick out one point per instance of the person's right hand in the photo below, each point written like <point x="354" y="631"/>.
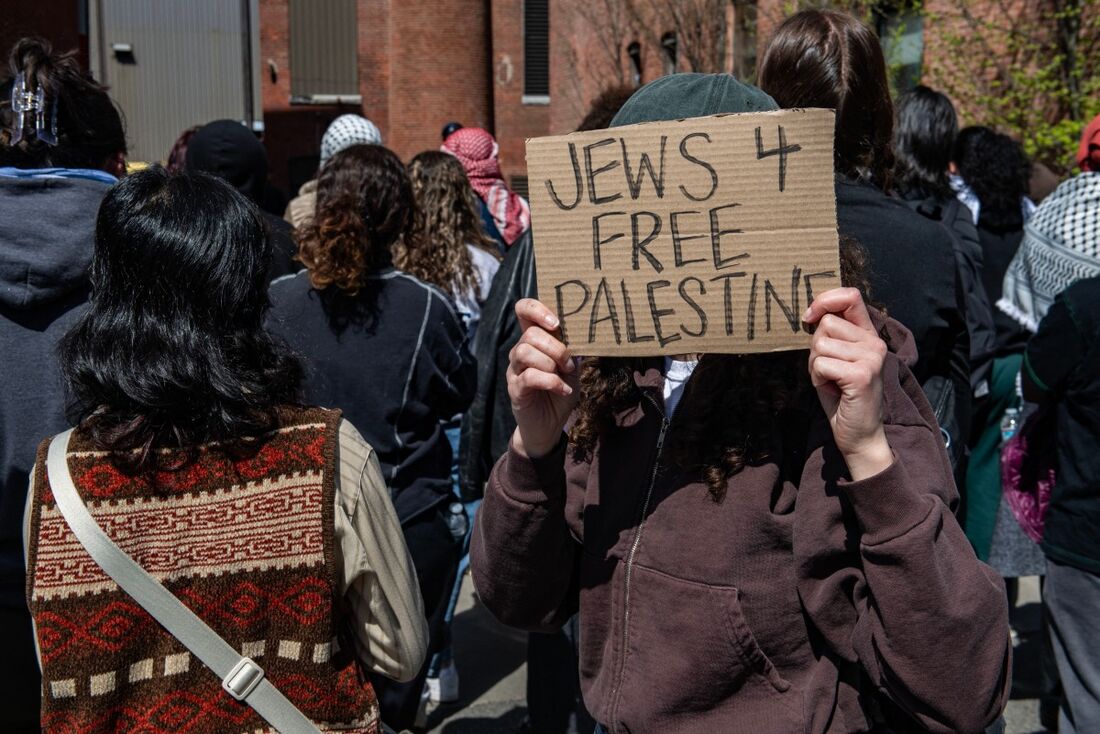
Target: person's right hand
<point x="542" y="381"/>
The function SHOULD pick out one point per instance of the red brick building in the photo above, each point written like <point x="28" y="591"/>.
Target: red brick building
<point x="520" y="68"/>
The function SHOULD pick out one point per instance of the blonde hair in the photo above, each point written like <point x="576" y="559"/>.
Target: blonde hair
<point x="445" y="220"/>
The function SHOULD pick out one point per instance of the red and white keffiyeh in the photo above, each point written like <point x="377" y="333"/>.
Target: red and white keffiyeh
<point x="479" y="154"/>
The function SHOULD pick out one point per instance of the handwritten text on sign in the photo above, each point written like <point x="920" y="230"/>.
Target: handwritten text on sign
<point x="710" y="234"/>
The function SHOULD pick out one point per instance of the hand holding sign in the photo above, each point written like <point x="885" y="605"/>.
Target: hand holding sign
<point x="846" y="359"/>
<point x="710" y="234"/>
<point x="542" y="381"/>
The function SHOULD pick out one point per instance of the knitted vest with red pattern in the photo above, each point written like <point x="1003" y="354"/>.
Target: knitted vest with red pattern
<point x="246" y="543"/>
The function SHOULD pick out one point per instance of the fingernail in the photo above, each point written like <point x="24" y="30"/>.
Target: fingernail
<point x="569" y="365"/>
<point x="551" y="321"/>
<point x="566" y="390"/>
<point x="806" y="314"/>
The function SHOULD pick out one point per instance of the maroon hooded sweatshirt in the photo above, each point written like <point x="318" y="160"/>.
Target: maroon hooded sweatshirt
<point x="801" y="602"/>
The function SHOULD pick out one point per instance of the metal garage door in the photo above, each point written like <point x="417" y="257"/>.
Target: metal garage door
<point x="176" y="63"/>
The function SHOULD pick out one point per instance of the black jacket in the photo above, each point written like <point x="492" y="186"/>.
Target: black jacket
<point x="394" y="359"/>
<point x="999" y="246"/>
<point x="968" y="257"/>
<point x="1063" y="361"/>
<point x="914" y="275"/>
<point x="488" y="423"/>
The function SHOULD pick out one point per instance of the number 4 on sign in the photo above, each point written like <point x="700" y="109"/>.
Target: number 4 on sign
<point x="782" y="151"/>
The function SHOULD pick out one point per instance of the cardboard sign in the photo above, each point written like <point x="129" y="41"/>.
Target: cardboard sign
<point x="710" y="234"/>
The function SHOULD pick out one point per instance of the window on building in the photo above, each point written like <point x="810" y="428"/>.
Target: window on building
<point x="901" y="32"/>
<point x="668" y="47"/>
<point x="743" y="54"/>
<point x="323" y="50"/>
<point x="520" y="186"/>
<point x="634" y="53"/>
<point x="536" y="51"/>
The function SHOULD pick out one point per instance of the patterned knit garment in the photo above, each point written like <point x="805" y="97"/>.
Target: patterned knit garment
<point x="246" y="543"/>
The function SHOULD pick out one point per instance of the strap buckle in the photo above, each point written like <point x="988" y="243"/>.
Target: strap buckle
<point x="243" y="679"/>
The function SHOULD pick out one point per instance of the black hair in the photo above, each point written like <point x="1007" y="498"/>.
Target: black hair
<point x="172" y="351"/>
<point x="998" y="171"/>
<point x="926" y="129"/>
<point x="89" y="125"/>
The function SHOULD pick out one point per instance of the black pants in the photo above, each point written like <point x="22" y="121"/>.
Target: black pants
<point x="435" y="556"/>
<point x="20" y="682"/>
<point x="554" y="704"/>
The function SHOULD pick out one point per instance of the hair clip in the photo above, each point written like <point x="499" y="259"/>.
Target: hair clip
<point x="24" y="101"/>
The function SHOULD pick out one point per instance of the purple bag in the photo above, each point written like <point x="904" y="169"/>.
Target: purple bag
<point x="1028" y="463"/>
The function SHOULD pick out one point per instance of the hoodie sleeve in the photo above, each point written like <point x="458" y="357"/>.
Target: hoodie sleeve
<point x="523" y="555"/>
<point x="890" y="580"/>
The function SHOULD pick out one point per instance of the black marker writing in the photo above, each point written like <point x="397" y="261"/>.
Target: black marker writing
<point x="782" y="151"/>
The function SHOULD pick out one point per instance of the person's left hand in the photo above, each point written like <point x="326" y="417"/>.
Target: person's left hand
<point x="845" y="365"/>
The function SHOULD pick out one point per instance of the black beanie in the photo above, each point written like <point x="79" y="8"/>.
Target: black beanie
<point x="679" y="96"/>
<point x="229" y="150"/>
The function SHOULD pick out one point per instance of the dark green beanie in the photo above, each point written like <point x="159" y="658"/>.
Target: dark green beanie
<point x="679" y="96"/>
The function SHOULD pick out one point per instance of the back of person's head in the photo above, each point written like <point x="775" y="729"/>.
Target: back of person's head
<point x="68" y="120"/>
<point x="232" y="152"/>
<point x="826" y="58"/>
<point x="923" y="143"/>
<point x="475" y="148"/>
<point x="604" y="108"/>
<point x="364" y="203"/>
<point x="177" y="157"/>
<point x="346" y="131"/>
<point x="172" y="350"/>
<point x="998" y="171"/>
<point x="446" y="219"/>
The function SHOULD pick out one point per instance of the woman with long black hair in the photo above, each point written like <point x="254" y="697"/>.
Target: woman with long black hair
<point x="269" y="519"/>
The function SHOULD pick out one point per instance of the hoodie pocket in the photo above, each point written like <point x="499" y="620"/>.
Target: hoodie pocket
<point x="692" y="660"/>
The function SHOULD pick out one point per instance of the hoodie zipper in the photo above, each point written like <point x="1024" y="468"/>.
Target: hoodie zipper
<point x="617" y="695"/>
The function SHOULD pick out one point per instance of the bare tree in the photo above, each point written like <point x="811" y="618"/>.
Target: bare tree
<point x="701" y="29"/>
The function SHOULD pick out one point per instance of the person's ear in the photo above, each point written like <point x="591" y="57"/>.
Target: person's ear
<point x="952" y="168"/>
<point x="116" y="165"/>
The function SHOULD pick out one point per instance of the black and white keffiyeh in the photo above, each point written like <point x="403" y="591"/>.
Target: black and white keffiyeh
<point x="1061" y="245"/>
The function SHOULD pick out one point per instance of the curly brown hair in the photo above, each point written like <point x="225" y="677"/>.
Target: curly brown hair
<point x="364" y="204"/>
<point x="746" y="394"/>
<point x="445" y="221"/>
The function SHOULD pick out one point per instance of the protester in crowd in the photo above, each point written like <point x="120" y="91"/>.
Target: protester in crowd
<point x="554" y="704"/>
<point x="1060" y="241"/>
<point x="996" y="170"/>
<point x="53" y="173"/>
<point x="179" y="392"/>
<point x="445" y="246"/>
<point x="229" y="150"/>
<point x="1062" y="371"/>
<point x="177" y="157"/>
<point x="923" y="146"/>
<point x="390" y="351"/>
<point x="342" y="133"/>
<point x="479" y="154"/>
<point x="859" y="605"/>
<point x="822" y="58"/>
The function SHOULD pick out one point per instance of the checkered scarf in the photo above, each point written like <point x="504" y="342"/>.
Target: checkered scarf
<point x="1061" y="245"/>
<point x="479" y="154"/>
